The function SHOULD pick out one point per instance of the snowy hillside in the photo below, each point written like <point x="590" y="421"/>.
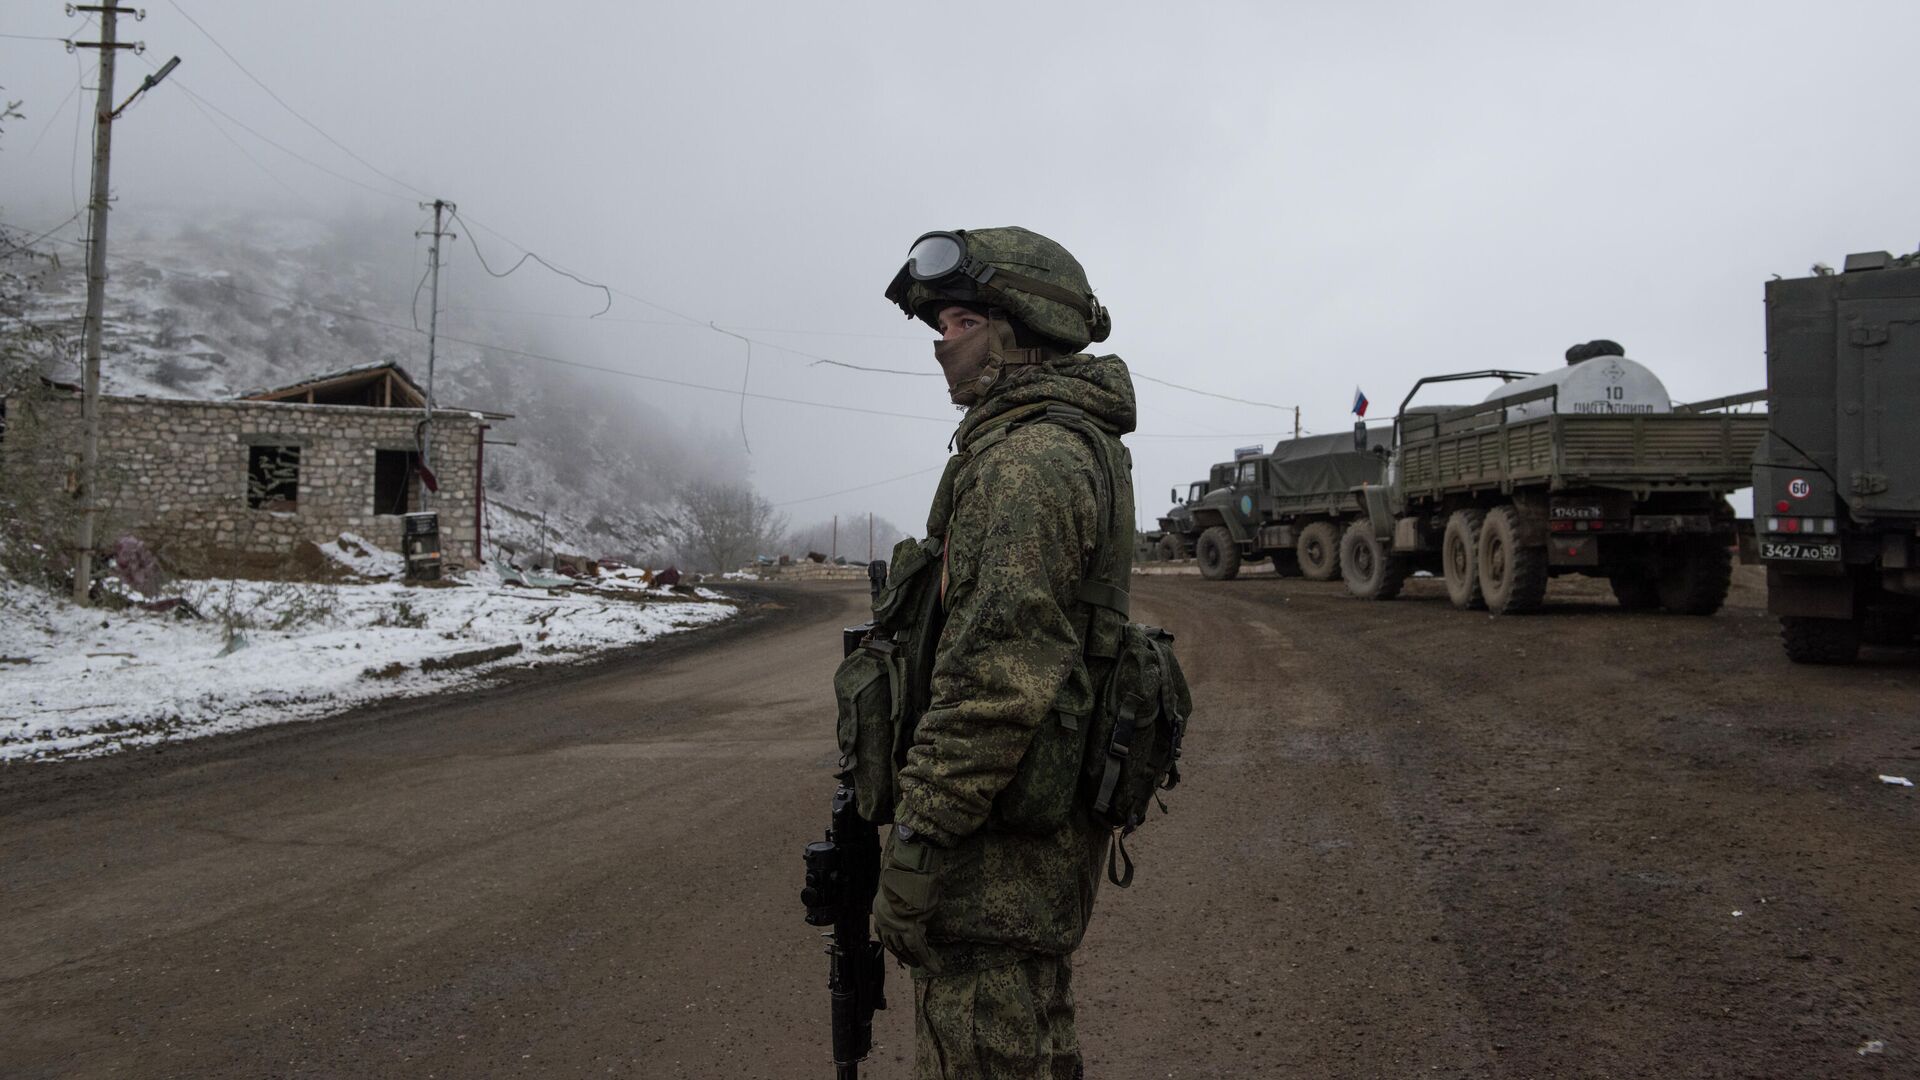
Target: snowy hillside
<point x="207" y="309"/>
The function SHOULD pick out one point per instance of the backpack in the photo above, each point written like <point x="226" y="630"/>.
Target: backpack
<point x="1129" y="750"/>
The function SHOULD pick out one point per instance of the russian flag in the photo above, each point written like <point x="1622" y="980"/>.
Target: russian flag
<point x="1359" y="402"/>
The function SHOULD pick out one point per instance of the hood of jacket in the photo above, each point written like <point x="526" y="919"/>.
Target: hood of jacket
<point x="1098" y="385"/>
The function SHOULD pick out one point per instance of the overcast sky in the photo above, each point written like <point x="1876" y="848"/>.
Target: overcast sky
<point x="1276" y="201"/>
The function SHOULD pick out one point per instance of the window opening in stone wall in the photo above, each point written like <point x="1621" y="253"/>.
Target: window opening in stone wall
<point x="273" y="477"/>
<point x="393" y="472"/>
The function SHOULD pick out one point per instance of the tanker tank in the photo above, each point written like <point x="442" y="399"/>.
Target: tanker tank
<point x="1600" y="386"/>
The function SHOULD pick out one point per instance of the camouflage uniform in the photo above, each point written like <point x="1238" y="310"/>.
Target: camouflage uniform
<point x="991" y="778"/>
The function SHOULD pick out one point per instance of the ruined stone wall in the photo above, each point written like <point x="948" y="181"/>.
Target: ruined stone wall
<point x="175" y="473"/>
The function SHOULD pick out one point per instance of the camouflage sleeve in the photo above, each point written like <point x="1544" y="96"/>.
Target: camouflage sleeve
<point x="1016" y="550"/>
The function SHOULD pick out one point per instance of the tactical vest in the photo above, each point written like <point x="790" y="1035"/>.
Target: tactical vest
<point x="1110" y="765"/>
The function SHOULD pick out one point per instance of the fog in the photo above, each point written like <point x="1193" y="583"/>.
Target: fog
<point x="1276" y="201"/>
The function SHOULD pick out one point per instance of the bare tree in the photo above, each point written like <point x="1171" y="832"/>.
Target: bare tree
<point x="722" y="525"/>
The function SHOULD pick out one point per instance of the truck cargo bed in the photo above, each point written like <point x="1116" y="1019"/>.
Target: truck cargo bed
<point x="1479" y="449"/>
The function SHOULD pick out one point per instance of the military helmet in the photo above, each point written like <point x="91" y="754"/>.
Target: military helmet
<point x="1038" y="283"/>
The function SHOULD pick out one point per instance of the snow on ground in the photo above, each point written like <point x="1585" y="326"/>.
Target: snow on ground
<point x="80" y="682"/>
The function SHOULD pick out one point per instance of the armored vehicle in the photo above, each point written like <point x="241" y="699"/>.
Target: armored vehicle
<point x="1590" y="469"/>
<point x="1288" y="506"/>
<point x="1836" y="483"/>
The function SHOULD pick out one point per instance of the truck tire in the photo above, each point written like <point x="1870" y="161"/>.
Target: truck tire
<point x="1513" y="575"/>
<point x="1169" y="548"/>
<point x="1695" y="579"/>
<point x="1286" y="564"/>
<point x="1369" y="569"/>
<point x="1820" y="641"/>
<point x="1460" y="559"/>
<point x="1319" y="551"/>
<point x="1219" y="556"/>
<point x="1635" y="590"/>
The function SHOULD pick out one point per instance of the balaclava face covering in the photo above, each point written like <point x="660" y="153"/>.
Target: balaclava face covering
<point x="973" y="361"/>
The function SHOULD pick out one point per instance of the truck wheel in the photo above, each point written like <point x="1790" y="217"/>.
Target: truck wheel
<point x="1634" y="590"/>
<point x="1286" y="564"/>
<point x="1319" y="551"/>
<point x="1169" y="548"/>
<point x="1369" y="569"/>
<point x="1460" y="559"/>
<point x="1820" y="641"/>
<point x="1219" y="556"/>
<point x="1513" y="575"/>
<point x="1696" y="579"/>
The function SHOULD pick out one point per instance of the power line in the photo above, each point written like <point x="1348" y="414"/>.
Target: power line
<point x="1211" y="394"/>
<point x="525" y="255"/>
<point x="342" y="147"/>
<point x="510" y="242"/>
<point x="297" y="156"/>
<point x="28" y="246"/>
<point x="55" y="115"/>
<point x="862" y="487"/>
<point x="244" y="152"/>
<point x="34" y="37"/>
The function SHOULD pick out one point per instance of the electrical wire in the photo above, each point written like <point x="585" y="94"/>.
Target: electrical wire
<point x="244" y="152"/>
<point x="79" y="116"/>
<point x="189" y="91"/>
<point x="55" y="115"/>
<point x="342" y="147"/>
<point x="510" y="242"/>
<point x="34" y="37"/>
<point x="524" y="256"/>
<point x="862" y="487"/>
<point x="1211" y="394"/>
<point x="28" y="246"/>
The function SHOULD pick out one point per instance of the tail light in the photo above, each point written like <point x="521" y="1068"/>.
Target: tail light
<point x="1820" y="526"/>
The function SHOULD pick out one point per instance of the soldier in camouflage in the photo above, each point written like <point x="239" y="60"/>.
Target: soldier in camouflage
<point x="989" y="878"/>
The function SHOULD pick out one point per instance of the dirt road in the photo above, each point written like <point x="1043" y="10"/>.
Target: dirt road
<point x="1413" y="842"/>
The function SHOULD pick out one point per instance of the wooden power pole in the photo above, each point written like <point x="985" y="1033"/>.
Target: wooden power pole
<point x="104" y="115"/>
<point x="440" y="208"/>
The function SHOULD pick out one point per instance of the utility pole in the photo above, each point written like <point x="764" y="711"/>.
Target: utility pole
<point x="834" y="551"/>
<point x="440" y="207"/>
<point x="869" y="536"/>
<point x="103" y="117"/>
<point x="1296" y="421"/>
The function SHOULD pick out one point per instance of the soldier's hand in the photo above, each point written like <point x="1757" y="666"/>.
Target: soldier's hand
<point x="909" y="887"/>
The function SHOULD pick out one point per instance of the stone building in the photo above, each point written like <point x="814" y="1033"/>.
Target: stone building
<point x="257" y="475"/>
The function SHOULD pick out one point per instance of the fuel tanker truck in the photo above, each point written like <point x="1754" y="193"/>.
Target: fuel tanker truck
<point x="1836" y="483"/>
<point x="1590" y="469"/>
<point x="1288" y="505"/>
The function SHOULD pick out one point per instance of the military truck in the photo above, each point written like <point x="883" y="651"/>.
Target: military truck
<point x="1590" y="470"/>
<point x="1177" y="532"/>
<point x="1836" y="482"/>
<point x="1288" y="505"/>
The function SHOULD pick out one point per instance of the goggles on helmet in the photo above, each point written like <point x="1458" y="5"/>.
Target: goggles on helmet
<point x="940" y="260"/>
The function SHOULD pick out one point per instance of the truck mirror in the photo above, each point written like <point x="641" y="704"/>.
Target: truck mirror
<point x="1173" y="494"/>
<point x="1360" y="436"/>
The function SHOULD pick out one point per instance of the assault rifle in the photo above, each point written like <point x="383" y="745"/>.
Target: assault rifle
<point x="843" y="874"/>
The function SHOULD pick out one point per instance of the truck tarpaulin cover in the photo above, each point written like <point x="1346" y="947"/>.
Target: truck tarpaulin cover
<point x="1321" y="464"/>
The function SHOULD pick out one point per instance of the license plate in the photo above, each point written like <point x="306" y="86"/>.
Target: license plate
<point x="1787" y="549"/>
